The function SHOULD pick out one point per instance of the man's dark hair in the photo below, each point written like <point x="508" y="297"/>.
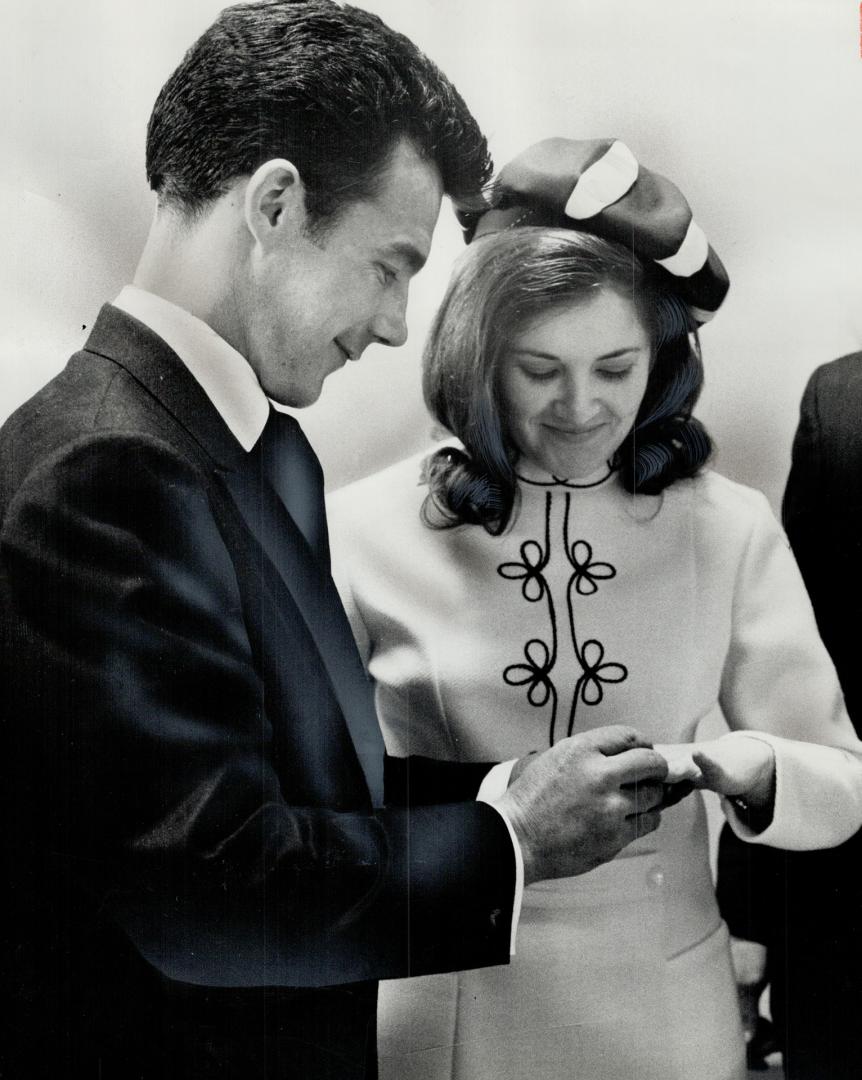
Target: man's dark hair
<point x="329" y="87"/>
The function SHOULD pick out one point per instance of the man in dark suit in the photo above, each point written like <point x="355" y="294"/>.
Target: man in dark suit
<point x="821" y="954"/>
<point x="203" y="878"/>
<point x="806" y="907"/>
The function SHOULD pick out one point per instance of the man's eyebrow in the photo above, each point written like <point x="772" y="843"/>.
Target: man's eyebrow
<point x="409" y="253"/>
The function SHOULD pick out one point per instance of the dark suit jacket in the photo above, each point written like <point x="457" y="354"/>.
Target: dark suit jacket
<point x="823" y="514"/>
<point x="807" y="906"/>
<point x="187" y="830"/>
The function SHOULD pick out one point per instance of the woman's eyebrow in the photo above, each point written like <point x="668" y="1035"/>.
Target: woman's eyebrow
<point x="534" y="352"/>
<point x="553" y="356"/>
<point x="621" y="352"/>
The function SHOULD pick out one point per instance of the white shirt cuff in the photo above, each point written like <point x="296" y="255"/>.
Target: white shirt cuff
<point x="818" y="795"/>
<point x="492" y="788"/>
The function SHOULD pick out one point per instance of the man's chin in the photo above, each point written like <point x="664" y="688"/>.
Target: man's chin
<point x="296" y="401"/>
<point x="295" y="397"/>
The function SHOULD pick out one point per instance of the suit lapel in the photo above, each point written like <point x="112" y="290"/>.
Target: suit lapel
<point x="128" y="342"/>
<point x="152" y="363"/>
<point x="315" y="596"/>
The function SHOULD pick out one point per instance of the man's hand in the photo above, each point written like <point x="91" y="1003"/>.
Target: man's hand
<point x="579" y="803"/>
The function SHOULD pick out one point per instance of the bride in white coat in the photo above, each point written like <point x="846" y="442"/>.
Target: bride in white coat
<point x="569" y="564"/>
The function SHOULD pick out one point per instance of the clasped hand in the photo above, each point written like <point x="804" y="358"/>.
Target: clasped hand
<point x="743" y="767"/>
<point x="581" y="802"/>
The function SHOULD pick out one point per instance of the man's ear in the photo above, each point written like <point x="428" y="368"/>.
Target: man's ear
<point x="274" y="200"/>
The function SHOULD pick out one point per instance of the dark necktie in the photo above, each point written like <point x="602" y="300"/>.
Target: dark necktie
<point x="291" y="466"/>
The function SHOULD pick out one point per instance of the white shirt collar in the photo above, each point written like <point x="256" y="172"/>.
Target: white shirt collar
<point x="224" y="375"/>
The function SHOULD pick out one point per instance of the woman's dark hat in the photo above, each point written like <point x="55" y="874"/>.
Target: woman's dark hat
<point x="597" y="186"/>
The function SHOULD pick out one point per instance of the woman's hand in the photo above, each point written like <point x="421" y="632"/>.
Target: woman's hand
<point x="741" y="767"/>
<point x="680" y="764"/>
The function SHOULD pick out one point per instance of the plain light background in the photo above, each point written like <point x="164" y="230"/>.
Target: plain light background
<point x="751" y="106"/>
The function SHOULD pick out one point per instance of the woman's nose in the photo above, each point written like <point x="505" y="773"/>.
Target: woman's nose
<point x="575" y="400"/>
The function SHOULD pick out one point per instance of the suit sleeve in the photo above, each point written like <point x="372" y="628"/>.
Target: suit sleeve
<point x="146" y="760"/>
<point x="822" y="509"/>
<point x="419" y="781"/>
<point x="779" y="686"/>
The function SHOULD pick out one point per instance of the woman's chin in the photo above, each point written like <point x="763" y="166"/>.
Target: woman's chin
<point x="580" y="472"/>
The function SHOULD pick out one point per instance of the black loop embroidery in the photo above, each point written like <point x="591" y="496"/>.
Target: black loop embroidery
<point x="529" y="569"/>
<point x="541" y="658"/>
<point x="561" y="481"/>
<point x="595" y="672"/>
<point x="533" y="674"/>
<point x="587" y="572"/>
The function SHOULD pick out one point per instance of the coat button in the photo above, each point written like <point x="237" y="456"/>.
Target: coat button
<point x="655" y="877"/>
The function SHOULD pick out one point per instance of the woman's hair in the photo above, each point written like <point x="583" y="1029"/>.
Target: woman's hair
<point x="501" y="284"/>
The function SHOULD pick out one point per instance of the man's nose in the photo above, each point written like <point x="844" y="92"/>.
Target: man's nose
<point x="389" y="325"/>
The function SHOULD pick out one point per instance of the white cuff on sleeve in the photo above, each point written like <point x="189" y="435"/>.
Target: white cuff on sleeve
<point x="492" y="788"/>
<point x="818" y="795"/>
<point x="496" y="781"/>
